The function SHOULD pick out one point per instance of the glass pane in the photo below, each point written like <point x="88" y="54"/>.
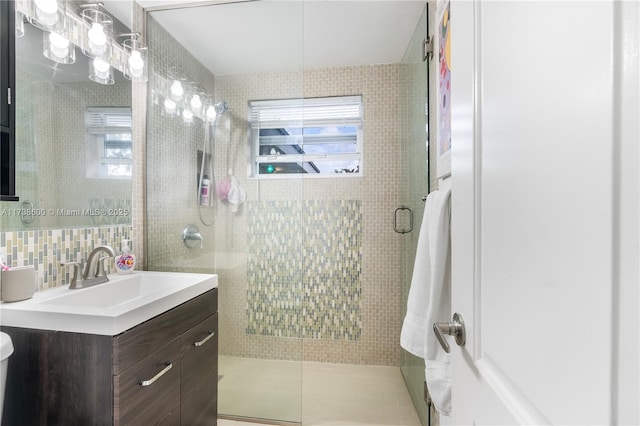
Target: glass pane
<point x="118" y="147"/>
<point x="254" y="246"/>
<point x="414" y="184"/>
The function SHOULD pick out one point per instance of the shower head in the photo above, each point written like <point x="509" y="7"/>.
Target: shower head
<point x="216" y="110"/>
<point x="221" y="107"/>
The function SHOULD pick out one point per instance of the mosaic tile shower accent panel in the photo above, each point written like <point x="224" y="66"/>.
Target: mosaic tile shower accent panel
<point x="304" y="269"/>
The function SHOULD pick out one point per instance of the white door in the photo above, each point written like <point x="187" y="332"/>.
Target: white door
<point x="545" y="212"/>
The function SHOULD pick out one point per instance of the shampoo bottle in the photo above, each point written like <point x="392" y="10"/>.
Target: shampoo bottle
<point x="204" y="191"/>
<point x="126" y="261"/>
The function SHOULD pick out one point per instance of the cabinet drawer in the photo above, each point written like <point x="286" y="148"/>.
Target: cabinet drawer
<point x="149" y="392"/>
<point x="199" y="371"/>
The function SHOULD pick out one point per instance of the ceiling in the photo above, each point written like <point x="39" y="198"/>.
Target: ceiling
<point x="276" y="35"/>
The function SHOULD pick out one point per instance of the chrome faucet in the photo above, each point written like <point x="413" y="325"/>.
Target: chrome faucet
<point x="94" y="269"/>
<point x="95" y="266"/>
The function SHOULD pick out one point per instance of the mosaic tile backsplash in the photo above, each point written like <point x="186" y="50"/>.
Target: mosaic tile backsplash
<point x="45" y="249"/>
<point x="304" y="269"/>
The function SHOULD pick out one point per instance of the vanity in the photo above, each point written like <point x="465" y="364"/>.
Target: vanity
<point x="141" y="350"/>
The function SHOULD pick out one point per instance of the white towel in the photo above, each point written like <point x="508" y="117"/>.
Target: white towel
<point x="429" y="298"/>
<point x="437" y="363"/>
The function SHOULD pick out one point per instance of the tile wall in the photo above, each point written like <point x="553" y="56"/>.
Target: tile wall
<point x="303" y="271"/>
<point x="46" y="249"/>
<point x="377" y="192"/>
<point x="171" y="189"/>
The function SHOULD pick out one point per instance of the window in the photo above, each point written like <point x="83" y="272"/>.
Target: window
<point x="109" y="150"/>
<point x="316" y="137"/>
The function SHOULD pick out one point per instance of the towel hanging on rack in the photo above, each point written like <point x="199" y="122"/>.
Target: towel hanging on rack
<point x="429" y="298"/>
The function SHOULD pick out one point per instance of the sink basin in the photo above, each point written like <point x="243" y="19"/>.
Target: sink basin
<point x="119" y="291"/>
<point x="110" y="308"/>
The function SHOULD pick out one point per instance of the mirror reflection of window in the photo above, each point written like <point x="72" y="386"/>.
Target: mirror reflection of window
<point x="109" y="150"/>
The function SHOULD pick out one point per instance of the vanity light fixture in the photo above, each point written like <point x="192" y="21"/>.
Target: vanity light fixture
<point x="58" y="48"/>
<point x="47" y="14"/>
<point x="91" y="30"/>
<point x="96" y="42"/>
<point x="136" y="68"/>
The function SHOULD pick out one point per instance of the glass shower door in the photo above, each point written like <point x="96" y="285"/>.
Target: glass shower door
<point x="415" y="184"/>
<point x="254" y="246"/>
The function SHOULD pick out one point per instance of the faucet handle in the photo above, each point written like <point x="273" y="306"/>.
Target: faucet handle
<point x="101" y="270"/>
<point x="76" y="273"/>
<point x="191" y="235"/>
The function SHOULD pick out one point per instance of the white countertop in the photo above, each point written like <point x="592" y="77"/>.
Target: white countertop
<point x="110" y="308"/>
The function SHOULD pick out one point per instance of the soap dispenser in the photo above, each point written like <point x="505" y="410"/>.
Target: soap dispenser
<point x="126" y="261"/>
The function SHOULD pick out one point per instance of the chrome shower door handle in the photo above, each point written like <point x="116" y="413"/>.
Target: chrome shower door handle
<point x="395" y="220"/>
<point x="454" y="328"/>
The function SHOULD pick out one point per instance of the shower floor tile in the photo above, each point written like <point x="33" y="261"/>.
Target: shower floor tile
<point x="329" y="394"/>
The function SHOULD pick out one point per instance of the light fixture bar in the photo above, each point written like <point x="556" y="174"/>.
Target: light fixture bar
<point x="76" y="28"/>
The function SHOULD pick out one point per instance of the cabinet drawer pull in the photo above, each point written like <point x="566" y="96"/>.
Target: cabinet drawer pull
<point x="203" y="341"/>
<point x="149" y="382"/>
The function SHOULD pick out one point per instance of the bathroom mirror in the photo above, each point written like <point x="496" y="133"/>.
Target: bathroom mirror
<point x="73" y="142"/>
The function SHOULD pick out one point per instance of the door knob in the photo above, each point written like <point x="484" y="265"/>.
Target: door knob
<point x="454" y="328"/>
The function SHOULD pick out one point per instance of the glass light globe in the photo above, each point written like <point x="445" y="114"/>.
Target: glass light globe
<point x="46" y="12"/>
<point x="47" y="6"/>
<point x="169" y="106"/>
<point x="196" y="103"/>
<point x="177" y="91"/>
<point x="97" y="39"/>
<point x="59" y="45"/>
<point x="211" y="113"/>
<point x="136" y="64"/>
<point x="187" y="116"/>
<point x="101" y="67"/>
<point x="96" y="34"/>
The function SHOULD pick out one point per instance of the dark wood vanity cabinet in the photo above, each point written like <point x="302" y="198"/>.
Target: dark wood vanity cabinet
<point x="161" y="372"/>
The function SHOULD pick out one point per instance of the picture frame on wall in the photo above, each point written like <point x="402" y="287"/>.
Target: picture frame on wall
<point x="443" y="87"/>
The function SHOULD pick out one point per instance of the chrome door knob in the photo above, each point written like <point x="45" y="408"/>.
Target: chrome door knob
<point x="454" y="328"/>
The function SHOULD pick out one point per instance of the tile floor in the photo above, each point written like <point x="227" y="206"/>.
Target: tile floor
<point x="315" y="394"/>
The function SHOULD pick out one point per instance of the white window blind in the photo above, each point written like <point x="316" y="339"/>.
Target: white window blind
<point x="107" y="120"/>
<point x="310" y="112"/>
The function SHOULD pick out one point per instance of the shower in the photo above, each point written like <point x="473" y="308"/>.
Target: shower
<point x="213" y="114"/>
<point x="307" y="318"/>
